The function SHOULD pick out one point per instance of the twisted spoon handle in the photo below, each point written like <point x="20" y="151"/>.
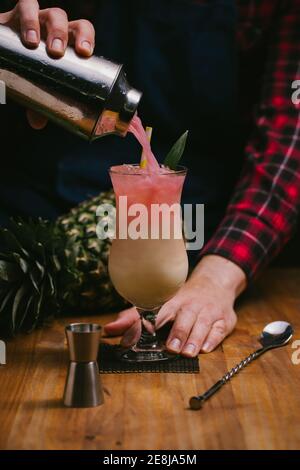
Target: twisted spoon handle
<point x="197" y="402"/>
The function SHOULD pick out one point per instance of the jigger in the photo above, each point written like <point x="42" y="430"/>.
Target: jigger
<point x="83" y="388"/>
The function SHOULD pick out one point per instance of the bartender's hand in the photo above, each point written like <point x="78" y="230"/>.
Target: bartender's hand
<point x="202" y="311"/>
<point x="58" y="31"/>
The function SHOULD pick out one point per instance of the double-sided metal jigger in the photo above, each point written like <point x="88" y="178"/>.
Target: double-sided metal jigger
<point x="83" y="388"/>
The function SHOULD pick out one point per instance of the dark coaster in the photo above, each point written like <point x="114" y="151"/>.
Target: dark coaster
<point x="109" y="363"/>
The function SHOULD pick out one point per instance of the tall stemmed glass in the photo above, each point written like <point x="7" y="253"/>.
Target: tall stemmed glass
<point x="148" y="261"/>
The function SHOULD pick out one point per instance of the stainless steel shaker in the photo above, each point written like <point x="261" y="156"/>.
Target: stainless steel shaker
<point x="89" y="96"/>
<point x="83" y="387"/>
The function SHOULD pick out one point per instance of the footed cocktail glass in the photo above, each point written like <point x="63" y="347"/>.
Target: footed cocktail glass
<point x="148" y="261"/>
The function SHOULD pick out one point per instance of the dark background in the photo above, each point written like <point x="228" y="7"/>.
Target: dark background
<point x="289" y="257"/>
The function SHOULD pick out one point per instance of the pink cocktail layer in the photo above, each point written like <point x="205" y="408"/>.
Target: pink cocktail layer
<point x="140" y="187"/>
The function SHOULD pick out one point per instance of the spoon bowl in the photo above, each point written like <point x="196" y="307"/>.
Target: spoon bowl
<point x="276" y="334"/>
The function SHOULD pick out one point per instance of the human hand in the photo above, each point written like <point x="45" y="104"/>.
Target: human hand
<point x="53" y="25"/>
<point x="202" y="310"/>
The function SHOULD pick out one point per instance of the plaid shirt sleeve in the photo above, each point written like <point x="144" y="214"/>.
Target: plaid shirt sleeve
<point x="263" y="210"/>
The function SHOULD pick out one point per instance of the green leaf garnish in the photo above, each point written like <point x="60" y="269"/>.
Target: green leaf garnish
<point x="176" y="152"/>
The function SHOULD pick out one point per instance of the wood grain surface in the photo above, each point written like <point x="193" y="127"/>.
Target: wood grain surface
<point x="258" y="409"/>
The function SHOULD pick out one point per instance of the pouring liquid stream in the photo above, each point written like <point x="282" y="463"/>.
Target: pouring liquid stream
<point x="136" y="128"/>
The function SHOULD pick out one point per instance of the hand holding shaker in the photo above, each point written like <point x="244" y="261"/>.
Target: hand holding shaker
<point x="83" y="387"/>
<point x="88" y="96"/>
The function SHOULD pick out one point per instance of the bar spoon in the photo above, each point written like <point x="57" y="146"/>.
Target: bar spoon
<point x="274" y="335"/>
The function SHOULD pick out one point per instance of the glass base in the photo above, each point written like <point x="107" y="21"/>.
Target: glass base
<point x="133" y="355"/>
<point x="149" y="348"/>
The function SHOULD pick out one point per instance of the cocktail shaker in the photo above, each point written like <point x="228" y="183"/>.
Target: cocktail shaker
<point x="89" y="96"/>
<point x="83" y="387"/>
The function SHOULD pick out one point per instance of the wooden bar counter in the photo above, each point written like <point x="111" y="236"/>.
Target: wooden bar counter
<point x="258" y="409"/>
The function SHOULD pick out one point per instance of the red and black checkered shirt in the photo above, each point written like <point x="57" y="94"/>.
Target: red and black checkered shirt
<point x="263" y="210"/>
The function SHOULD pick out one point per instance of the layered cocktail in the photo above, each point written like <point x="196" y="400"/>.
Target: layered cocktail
<point x="148" y="261"/>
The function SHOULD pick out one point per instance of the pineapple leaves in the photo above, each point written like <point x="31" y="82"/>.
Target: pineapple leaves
<point x="22" y="231"/>
<point x="8" y="239"/>
<point x="51" y="284"/>
<point x="21" y="262"/>
<point x="33" y="314"/>
<point x="29" y="306"/>
<point x="28" y="274"/>
<point x="40" y="302"/>
<point x="10" y="294"/>
<point x="176" y="152"/>
<point x="56" y="262"/>
<point x="9" y="272"/>
<point x="22" y="291"/>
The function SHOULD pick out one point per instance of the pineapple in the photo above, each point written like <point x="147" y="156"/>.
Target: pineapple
<point x="50" y="268"/>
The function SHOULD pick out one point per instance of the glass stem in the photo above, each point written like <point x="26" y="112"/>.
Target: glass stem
<point x="148" y="339"/>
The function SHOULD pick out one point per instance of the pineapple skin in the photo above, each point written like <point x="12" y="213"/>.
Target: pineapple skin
<point x="94" y="290"/>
